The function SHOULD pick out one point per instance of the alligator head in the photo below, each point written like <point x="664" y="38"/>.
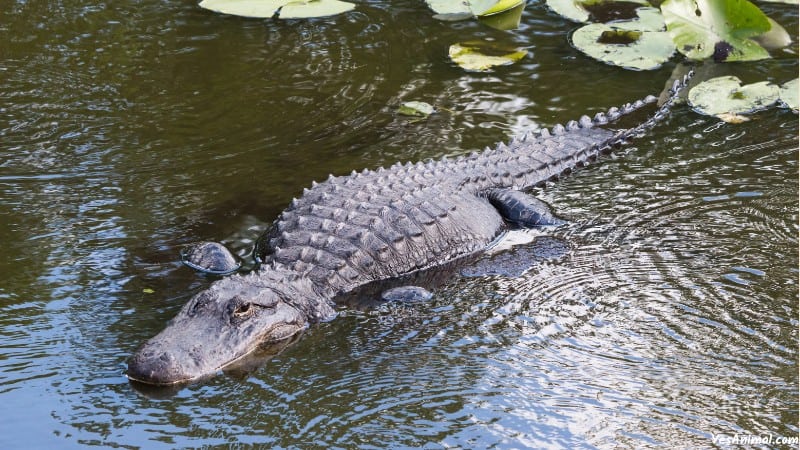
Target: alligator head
<point x="226" y="322"/>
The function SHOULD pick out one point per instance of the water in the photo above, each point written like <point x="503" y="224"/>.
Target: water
<point x="666" y="317"/>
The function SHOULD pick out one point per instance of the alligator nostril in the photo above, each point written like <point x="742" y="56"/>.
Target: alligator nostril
<point x="155" y="366"/>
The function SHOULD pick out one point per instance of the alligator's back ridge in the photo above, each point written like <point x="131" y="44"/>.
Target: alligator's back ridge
<point x="376" y="224"/>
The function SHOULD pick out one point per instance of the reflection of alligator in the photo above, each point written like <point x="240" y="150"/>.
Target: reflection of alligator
<point x="349" y="231"/>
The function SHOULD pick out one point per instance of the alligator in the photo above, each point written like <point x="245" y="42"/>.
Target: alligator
<point x="374" y="225"/>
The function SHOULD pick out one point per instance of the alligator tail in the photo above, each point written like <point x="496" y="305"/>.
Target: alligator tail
<point x="662" y="112"/>
<point x="558" y="150"/>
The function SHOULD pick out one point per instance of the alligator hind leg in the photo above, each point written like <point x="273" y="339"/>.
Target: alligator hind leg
<point x="522" y="209"/>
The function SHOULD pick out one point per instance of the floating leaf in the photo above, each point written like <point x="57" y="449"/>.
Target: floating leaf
<point x="466" y="9"/>
<point x="450" y="8"/>
<point x="726" y="94"/>
<point x="416" y="109"/>
<point x="501" y="7"/>
<point x="648" y="19"/>
<point x="479" y="6"/>
<point x="303" y="9"/>
<point x="286" y="9"/>
<point x="718" y="28"/>
<point x="148" y="291"/>
<point x="481" y="56"/>
<point x="507" y="20"/>
<point x="633" y="44"/>
<point x="570" y="9"/>
<point x="788" y="93"/>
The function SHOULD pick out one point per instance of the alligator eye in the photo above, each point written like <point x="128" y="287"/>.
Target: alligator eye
<point x="243" y="309"/>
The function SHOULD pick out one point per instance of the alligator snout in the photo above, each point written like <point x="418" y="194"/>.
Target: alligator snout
<point x="153" y="366"/>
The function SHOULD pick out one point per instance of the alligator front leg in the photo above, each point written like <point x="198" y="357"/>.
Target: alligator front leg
<point x="521" y="209"/>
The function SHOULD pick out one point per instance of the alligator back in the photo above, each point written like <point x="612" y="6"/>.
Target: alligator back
<point x="350" y="230"/>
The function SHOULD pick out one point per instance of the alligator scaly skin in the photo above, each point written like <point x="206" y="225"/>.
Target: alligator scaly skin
<point x="372" y="225"/>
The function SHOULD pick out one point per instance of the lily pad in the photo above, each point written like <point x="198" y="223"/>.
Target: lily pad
<point x="570" y="9"/>
<point x="648" y="19"/>
<point x="634" y="44"/>
<point x="415" y="109"/>
<point x="788" y="94"/>
<point x="506" y="20"/>
<point x="285" y="9"/>
<point x="304" y="9"/>
<point x="718" y="28"/>
<point x="501" y="7"/>
<point x="726" y="95"/>
<point x="465" y="9"/>
<point x="449" y="8"/>
<point x="481" y="56"/>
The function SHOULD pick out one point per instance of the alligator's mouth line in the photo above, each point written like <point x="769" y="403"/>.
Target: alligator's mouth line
<point x="267" y="338"/>
<point x="165" y="384"/>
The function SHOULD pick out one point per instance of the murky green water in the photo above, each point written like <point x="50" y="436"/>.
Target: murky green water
<point x="128" y="129"/>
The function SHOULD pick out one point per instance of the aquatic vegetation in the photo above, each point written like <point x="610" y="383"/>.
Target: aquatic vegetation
<point x="415" y="109"/>
<point x="283" y="9"/>
<point x="639" y="44"/>
<point x="725" y="30"/>
<point x="479" y="56"/>
<point x="726" y="97"/>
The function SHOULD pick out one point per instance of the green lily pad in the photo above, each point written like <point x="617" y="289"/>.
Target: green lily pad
<point x="506" y="20"/>
<point x="304" y="9"/>
<point x="788" y="94"/>
<point x="718" y="28"/>
<point x="501" y="7"/>
<point x="570" y="9"/>
<point x="481" y="56"/>
<point x="478" y="7"/>
<point x="465" y="9"/>
<point x="286" y="9"/>
<point x="448" y="8"/>
<point x="634" y="44"/>
<point x="415" y="109"/>
<point x="648" y="19"/>
<point x="726" y="95"/>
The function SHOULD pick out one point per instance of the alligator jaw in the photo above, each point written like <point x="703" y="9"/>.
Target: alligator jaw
<point x="214" y="330"/>
<point x="146" y="373"/>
